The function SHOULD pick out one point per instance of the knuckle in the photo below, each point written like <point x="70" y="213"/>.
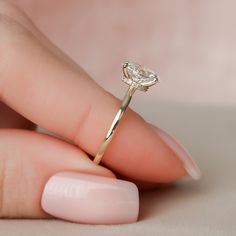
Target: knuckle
<point x="13" y="36"/>
<point x="4" y="5"/>
<point x="9" y="21"/>
<point x="8" y="9"/>
<point x="12" y="18"/>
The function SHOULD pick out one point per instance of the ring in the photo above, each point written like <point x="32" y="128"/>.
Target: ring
<point x="138" y="78"/>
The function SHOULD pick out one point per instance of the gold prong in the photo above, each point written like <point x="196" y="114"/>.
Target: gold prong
<point x="125" y="72"/>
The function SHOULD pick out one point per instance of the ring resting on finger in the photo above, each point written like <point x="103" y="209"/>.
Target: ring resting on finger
<point x="138" y="78"/>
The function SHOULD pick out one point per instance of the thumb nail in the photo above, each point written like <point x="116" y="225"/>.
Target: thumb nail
<point x="90" y="199"/>
<point x="188" y="163"/>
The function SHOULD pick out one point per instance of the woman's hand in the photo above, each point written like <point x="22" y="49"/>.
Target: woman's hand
<point x="40" y="85"/>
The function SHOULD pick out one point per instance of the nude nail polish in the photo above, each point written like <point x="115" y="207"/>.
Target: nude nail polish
<point x="90" y="199"/>
<point x="188" y="163"/>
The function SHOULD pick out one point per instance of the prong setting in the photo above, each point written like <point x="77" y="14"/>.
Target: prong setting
<point x="136" y="76"/>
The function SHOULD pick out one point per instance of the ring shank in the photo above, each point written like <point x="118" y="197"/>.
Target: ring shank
<point x="114" y="125"/>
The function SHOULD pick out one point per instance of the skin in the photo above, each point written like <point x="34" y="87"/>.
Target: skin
<point x="40" y="85"/>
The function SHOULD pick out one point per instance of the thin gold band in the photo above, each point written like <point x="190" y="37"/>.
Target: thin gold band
<point x="115" y="123"/>
<point x="136" y="77"/>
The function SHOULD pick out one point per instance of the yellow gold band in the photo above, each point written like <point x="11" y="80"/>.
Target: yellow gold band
<point x="137" y="78"/>
<point x="114" y="125"/>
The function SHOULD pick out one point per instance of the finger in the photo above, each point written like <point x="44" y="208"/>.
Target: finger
<point x="11" y="119"/>
<point x="42" y="174"/>
<point x="66" y="101"/>
<point x="11" y="13"/>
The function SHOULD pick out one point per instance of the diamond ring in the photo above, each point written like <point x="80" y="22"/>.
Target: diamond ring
<point x="138" y="78"/>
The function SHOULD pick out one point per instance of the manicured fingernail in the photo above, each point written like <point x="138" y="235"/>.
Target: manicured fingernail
<point x="190" y="166"/>
<point x="91" y="199"/>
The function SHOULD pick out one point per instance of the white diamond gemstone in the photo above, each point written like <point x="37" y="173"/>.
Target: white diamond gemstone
<point x="138" y="77"/>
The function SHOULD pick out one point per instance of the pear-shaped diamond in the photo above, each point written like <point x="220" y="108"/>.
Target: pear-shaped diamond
<point x="137" y="76"/>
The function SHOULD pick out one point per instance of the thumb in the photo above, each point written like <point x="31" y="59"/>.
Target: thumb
<point x="33" y="182"/>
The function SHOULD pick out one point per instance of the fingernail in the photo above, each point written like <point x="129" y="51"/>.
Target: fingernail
<point x="90" y="199"/>
<point x="188" y="163"/>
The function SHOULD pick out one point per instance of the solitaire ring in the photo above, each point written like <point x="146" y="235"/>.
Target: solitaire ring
<point x="138" y="78"/>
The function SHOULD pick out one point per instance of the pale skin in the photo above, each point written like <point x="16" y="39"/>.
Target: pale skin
<point x="40" y="85"/>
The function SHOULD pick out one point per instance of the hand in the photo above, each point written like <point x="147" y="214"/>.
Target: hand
<point x="41" y="85"/>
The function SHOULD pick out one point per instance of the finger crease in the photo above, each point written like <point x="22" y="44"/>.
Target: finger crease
<point x="81" y="124"/>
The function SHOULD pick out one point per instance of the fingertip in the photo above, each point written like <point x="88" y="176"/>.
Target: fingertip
<point x="138" y="152"/>
<point x="188" y="163"/>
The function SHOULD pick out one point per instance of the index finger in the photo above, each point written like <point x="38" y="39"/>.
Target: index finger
<point x="63" y="99"/>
